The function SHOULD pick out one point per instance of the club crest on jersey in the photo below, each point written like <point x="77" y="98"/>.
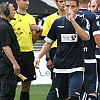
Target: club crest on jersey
<point x="73" y="37"/>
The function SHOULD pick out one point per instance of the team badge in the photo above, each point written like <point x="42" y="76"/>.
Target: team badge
<point x="73" y="37"/>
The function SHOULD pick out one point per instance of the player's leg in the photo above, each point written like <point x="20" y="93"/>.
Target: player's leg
<point x="90" y="81"/>
<point x="75" y="85"/>
<point x="52" y="95"/>
<point x="90" y="97"/>
<point x="98" y="69"/>
<point x="61" y="86"/>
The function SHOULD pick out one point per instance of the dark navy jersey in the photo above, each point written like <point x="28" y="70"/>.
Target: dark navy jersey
<point x="89" y="46"/>
<point x="97" y="14"/>
<point x="97" y="51"/>
<point x="69" y="53"/>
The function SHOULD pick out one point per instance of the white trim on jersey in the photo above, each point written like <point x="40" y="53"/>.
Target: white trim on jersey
<point x="48" y="40"/>
<point x="97" y="56"/>
<point x="90" y="61"/>
<point x="68" y="70"/>
<point x="96" y="32"/>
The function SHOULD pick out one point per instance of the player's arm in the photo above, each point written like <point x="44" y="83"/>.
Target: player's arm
<point x="97" y="39"/>
<point x="82" y="34"/>
<point x="43" y="51"/>
<point x="46" y="28"/>
<point x="49" y="62"/>
<point x="96" y="30"/>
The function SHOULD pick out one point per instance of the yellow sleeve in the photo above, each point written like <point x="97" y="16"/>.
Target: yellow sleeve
<point x="46" y="27"/>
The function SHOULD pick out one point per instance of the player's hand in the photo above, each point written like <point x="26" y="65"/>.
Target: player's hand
<point x="70" y="14"/>
<point x="49" y="65"/>
<point x="36" y="63"/>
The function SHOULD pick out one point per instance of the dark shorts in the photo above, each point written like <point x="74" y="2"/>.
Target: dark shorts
<point x="90" y="78"/>
<point x="52" y="52"/>
<point x="69" y="84"/>
<point x="98" y="69"/>
<point x="27" y="66"/>
<point x="8" y="81"/>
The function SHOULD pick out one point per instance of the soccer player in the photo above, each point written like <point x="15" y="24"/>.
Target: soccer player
<point x="50" y="54"/>
<point x="90" y="76"/>
<point x="97" y="51"/>
<point x="93" y="5"/>
<point x="70" y="31"/>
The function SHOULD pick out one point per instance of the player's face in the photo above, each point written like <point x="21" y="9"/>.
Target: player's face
<point x="71" y="5"/>
<point x="61" y="4"/>
<point x="93" y="6"/>
<point x="23" y="4"/>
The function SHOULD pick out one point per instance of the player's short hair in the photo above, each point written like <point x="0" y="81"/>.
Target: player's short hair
<point x="77" y="1"/>
<point x="57" y="0"/>
<point x="84" y="1"/>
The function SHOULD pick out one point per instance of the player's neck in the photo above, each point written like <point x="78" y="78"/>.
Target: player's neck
<point x="99" y="8"/>
<point x="83" y="6"/>
<point x="61" y="13"/>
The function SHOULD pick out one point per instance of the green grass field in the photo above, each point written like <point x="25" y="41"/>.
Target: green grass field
<point x="37" y="92"/>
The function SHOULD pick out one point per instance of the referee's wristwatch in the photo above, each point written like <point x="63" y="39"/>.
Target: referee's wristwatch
<point x="47" y="59"/>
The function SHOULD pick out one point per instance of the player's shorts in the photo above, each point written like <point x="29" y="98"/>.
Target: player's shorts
<point x="90" y="78"/>
<point x="27" y="66"/>
<point x="98" y="69"/>
<point x="69" y="84"/>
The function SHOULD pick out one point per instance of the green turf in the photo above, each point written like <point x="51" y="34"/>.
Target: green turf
<point x="37" y="92"/>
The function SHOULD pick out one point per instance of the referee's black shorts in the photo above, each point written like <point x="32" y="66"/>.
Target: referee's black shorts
<point x="27" y="66"/>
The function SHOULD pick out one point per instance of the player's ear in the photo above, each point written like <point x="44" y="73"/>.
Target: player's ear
<point x="77" y="8"/>
<point x="98" y="5"/>
<point x="17" y="1"/>
<point x="55" y="0"/>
